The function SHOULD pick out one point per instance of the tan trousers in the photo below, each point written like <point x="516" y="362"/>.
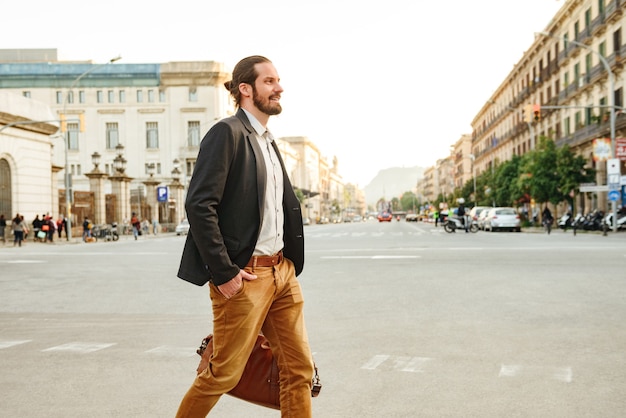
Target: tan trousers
<point x="273" y="304"/>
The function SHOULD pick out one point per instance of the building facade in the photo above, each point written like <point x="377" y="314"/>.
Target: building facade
<point x="567" y="71"/>
<point x="128" y="130"/>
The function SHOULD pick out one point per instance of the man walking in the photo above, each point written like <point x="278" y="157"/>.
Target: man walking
<point x="246" y="240"/>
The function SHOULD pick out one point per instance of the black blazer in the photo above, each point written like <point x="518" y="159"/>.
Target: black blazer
<point x="225" y="204"/>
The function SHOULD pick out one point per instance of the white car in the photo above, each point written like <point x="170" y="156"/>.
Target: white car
<point x="503" y="218"/>
<point x="183" y="227"/>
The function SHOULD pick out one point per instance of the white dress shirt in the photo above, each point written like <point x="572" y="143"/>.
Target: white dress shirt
<point x="271" y="237"/>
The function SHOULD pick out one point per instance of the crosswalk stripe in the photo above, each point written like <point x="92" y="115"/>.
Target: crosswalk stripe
<point x="7" y="344"/>
<point x="80" y="347"/>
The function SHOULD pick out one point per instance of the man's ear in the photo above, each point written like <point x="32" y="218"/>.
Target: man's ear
<point x="245" y="89"/>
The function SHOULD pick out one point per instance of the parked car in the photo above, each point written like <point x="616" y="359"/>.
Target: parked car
<point x="384" y="217"/>
<point x="477" y="210"/>
<point x="482" y="218"/>
<point x="183" y="227"/>
<point x="503" y="218"/>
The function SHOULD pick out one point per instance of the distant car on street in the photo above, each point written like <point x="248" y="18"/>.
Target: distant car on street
<point x="411" y="217"/>
<point x="384" y="217"/>
<point x="503" y="218"/>
<point x="183" y="227"/>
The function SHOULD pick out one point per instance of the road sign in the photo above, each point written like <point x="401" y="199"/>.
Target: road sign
<point x="162" y="194"/>
<point x="613" y="173"/>
<point x="593" y="188"/>
<point x="614" y="195"/>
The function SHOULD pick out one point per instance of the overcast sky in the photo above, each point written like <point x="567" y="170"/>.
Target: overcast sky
<point x="378" y="84"/>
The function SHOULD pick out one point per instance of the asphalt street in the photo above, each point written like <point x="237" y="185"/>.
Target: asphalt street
<point x="404" y="320"/>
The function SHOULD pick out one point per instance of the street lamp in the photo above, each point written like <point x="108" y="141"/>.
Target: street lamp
<point x="473" y="157"/>
<point x="68" y="183"/>
<point x="95" y="160"/>
<point x="611" y="76"/>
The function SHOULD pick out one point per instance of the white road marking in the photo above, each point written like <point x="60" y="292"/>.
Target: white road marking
<point x="415" y="365"/>
<point x="401" y="363"/>
<point x="375" y="361"/>
<point x="80" y="347"/>
<point x="169" y="351"/>
<point x="7" y="344"/>
<point x="371" y="257"/>
<point x="25" y="261"/>
<point x="510" y="370"/>
<point x="563" y="374"/>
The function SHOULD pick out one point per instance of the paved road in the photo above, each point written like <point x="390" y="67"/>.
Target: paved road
<point x="404" y="321"/>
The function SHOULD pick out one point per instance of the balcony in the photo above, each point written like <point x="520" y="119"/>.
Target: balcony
<point x="614" y="11"/>
<point x="598" y="25"/>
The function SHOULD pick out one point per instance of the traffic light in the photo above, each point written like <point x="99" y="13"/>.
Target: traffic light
<point x="81" y="121"/>
<point x="537" y="112"/>
<point x="63" y="123"/>
<point x="528" y="113"/>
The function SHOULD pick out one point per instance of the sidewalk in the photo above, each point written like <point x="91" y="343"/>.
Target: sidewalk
<point x="79" y="240"/>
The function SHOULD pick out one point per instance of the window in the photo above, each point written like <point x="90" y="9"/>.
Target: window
<point x="150" y="96"/>
<point x="619" y="97"/>
<point x="99" y="96"/>
<point x="566" y="126"/>
<point x="59" y="97"/>
<point x="190" y="165"/>
<point x="122" y="96"/>
<point x="72" y="132"/>
<point x="112" y="135"/>
<point x="158" y="168"/>
<point x="193" y="94"/>
<point x="70" y="96"/>
<point x="26" y="94"/>
<point x="602" y="49"/>
<point x="81" y="96"/>
<point x="600" y="7"/>
<point x="139" y="96"/>
<point x="617" y="40"/>
<point x="193" y="133"/>
<point x="111" y="96"/>
<point x="152" y="135"/>
<point x="576" y="30"/>
<point x="161" y="96"/>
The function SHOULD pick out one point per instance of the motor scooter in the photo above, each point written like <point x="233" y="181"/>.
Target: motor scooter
<point x="453" y="223"/>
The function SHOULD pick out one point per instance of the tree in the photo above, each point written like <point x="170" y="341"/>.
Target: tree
<point x="507" y="190"/>
<point x="538" y="173"/>
<point x="408" y="202"/>
<point x="571" y="171"/>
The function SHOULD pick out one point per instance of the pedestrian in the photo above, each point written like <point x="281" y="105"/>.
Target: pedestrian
<point x="155" y="226"/>
<point x="60" y="223"/>
<point x="246" y="240"/>
<point x="37" y="223"/>
<point x="17" y="225"/>
<point x="51" y="228"/>
<point x="3" y="227"/>
<point x="134" y="221"/>
<point x="86" y="229"/>
<point x="436" y="216"/>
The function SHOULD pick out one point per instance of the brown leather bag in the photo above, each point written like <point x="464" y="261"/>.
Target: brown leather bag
<point x="259" y="382"/>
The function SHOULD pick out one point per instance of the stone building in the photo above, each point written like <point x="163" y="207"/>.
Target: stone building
<point x="567" y="72"/>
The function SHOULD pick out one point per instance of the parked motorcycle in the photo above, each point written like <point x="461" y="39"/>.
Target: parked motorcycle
<point x="621" y="221"/>
<point x="565" y="221"/>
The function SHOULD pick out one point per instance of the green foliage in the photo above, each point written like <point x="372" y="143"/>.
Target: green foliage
<point x="408" y="202"/>
<point x="545" y="174"/>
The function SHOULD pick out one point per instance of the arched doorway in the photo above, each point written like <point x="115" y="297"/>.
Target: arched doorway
<point x="5" y="189"/>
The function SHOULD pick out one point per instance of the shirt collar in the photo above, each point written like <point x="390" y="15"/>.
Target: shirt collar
<point x="258" y="127"/>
